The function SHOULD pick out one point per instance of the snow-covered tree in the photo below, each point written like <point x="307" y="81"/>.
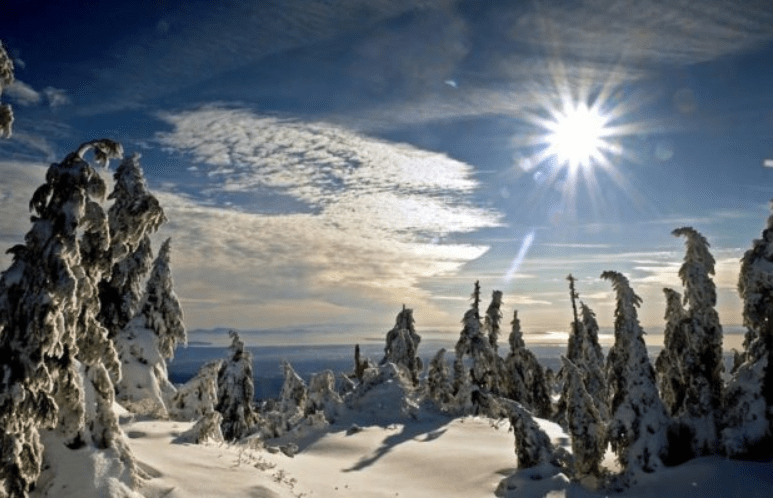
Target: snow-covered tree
<point x="493" y="318"/>
<point x="701" y="361"/>
<point x="473" y="343"/>
<point x="6" y="79"/>
<point x="638" y="423"/>
<point x="533" y="447"/>
<point x="198" y="396"/>
<point x="236" y="391"/>
<point x="402" y="343"/>
<point x="133" y="216"/>
<point x="748" y="421"/>
<point x="439" y="385"/>
<point x="669" y="362"/>
<point x="148" y="340"/>
<point x="593" y="362"/>
<point x="584" y="422"/>
<point x="54" y="350"/>
<point x="574" y="354"/>
<point x="523" y="378"/>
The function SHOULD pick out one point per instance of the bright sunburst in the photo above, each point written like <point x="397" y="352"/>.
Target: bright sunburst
<point x="576" y="136"/>
<point x="579" y="129"/>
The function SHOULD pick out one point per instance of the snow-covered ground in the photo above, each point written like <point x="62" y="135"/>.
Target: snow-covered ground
<point x="434" y="456"/>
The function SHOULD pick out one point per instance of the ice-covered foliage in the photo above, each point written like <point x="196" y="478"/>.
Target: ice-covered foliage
<point x="524" y="379"/>
<point x="236" y="391"/>
<point x="205" y="430"/>
<point x="198" y="396"/>
<point x="638" y="422"/>
<point x="668" y="363"/>
<point x="701" y="361"/>
<point x="133" y="216"/>
<point x="144" y="387"/>
<point x="50" y="337"/>
<point x="323" y="397"/>
<point x="160" y="310"/>
<point x="748" y="421"/>
<point x="439" y="387"/>
<point x="585" y="425"/>
<point x="593" y="362"/>
<point x="474" y="344"/>
<point x="386" y="394"/>
<point x="533" y="447"/>
<point x="6" y="79"/>
<point x="493" y="318"/>
<point x="402" y="343"/>
<point x="148" y="340"/>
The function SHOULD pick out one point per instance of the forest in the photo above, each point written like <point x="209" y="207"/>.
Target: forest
<point x="89" y="319"/>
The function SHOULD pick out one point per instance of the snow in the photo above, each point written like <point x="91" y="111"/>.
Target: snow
<point x="434" y="457"/>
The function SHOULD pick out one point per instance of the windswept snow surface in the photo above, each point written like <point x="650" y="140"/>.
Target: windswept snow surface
<point x="431" y="457"/>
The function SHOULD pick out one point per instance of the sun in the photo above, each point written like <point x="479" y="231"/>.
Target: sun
<point x="575" y="136"/>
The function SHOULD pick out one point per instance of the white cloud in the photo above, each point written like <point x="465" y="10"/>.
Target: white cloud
<point x="56" y="96"/>
<point x="22" y="94"/>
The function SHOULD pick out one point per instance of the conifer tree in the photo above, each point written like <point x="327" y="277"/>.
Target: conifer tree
<point x="133" y="216"/>
<point x="748" y="420"/>
<point x="236" y="391"/>
<point x="439" y="380"/>
<point x="669" y="362"/>
<point x="493" y="318"/>
<point x="701" y="362"/>
<point x="524" y="379"/>
<point x="585" y="425"/>
<point x="593" y="362"/>
<point x="638" y="421"/>
<point x="472" y="343"/>
<point x="402" y="343"/>
<point x="51" y="344"/>
<point x="150" y="339"/>
<point x="574" y="354"/>
<point x="6" y="79"/>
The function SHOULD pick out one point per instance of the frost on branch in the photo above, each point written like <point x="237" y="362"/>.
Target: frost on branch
<point x="484" y="373"/>
<point x="134" y="215"/>
<point x="524" y="378"/>
<point x="638" y="423"/>
<point x="402" y="343"/>
<point x="236" y="391"/>
<point x="586" y="427"/>
<point x="6" y="79"/>
<point x="148" y="340"/>
<point x="701" y="360"/>
<point x="197" y="397"/>
<point x="748" y="421"/>
<point x="54" y="350"/>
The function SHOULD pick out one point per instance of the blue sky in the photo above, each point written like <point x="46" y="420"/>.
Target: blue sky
<point x="322" y="163"/>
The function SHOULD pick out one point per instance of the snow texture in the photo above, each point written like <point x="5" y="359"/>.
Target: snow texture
<point x="638" y="423"/>
<point x="133" y="216"/>
<point x="402" y="343"/>
<point x="53" y="347"/>
<point x="236" y="391"/>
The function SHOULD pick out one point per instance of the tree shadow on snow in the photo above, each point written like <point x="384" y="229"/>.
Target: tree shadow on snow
<point x="422" y="431"/>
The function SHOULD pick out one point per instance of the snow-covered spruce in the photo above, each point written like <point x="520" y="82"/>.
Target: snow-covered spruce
<point x="493" y="318"/>
<point x="668" y="364"/>
<point x="439" y="387"/>
<point x="574" y="354"/>
<point x="748" y="421"/>
<point x="524" y="378"/>
<point x="133" y="216"/>
<point x="402" y="343"/>
<point x="205" y="430"/>
<point x="473" y="343"/>
<point x="701" y="361"/>
<point x="533" y="447"/>
<point x="54" y="350"/>
<point x="593" y="362"/>
<point x="236" y="391"/>
<point x="585" y="425"/>
<point x="197" y="397"/>
<point x="6" y="79"/>
<point x="386" y="394"/>
<point x="148" y="340"/>
<point x="638" y="423"/>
